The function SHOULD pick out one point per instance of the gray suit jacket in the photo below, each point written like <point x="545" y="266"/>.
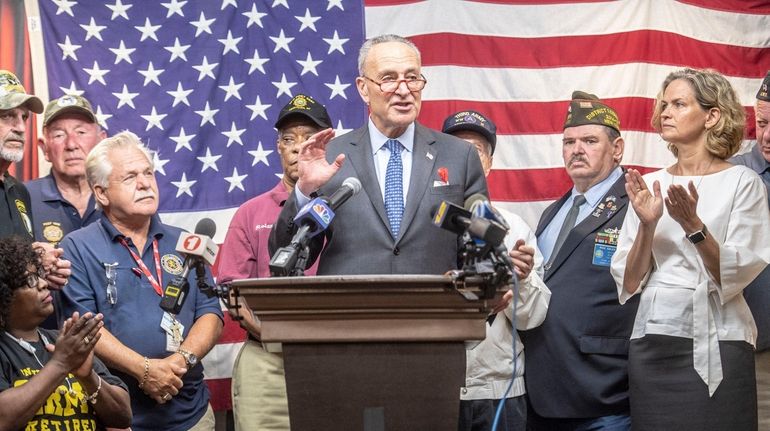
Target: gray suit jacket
<point x="359" y="241"/>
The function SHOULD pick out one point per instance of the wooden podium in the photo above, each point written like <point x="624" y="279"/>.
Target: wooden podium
<point x="373" y="352"/>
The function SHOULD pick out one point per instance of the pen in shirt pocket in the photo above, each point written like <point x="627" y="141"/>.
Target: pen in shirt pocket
<point x="137" y="271"/>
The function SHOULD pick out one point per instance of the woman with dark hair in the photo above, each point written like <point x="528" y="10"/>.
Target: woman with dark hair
<point x="50" y="379"/>
<point x="690" y="252"/>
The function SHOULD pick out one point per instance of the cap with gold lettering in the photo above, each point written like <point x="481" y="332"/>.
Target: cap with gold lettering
<point x="306" y="106"/>
<point x="763" y="93"/>
<point x="473" y="121"/>
<point x="68" y="104"/>
<point x="586" y="108"/>
<point x="13" y="94"/>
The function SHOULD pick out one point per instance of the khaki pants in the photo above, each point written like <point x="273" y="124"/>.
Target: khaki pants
<point x="207" y="422"/>
<point x="762" y="365"/>
<point x="259" y="390"/>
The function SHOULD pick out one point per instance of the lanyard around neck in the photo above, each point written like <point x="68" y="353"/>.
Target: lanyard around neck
<point x="146" y="271"/>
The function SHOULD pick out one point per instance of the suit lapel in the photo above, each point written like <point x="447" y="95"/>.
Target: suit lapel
<point x="591" y="224"/>
<point x="423" y="159"/>
<point x="550" y="213"/>
<point x="362" y="160"/>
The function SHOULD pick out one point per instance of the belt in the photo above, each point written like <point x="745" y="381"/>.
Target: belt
<point x="705" y="341"/>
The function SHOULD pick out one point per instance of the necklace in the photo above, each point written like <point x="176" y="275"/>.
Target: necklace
<point x="700" y="180"/>
<point x="24" y="344"/>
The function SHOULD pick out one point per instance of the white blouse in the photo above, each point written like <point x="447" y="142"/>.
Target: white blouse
<point x="679" y="296"/>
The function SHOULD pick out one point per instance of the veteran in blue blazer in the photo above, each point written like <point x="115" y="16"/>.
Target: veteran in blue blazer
<point x="576" y="374"/>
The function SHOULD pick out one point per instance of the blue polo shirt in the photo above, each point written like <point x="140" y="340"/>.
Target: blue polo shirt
<point x="55" y="217"/>
<point x="135" y="319"/>
<point x="757" y="293"/>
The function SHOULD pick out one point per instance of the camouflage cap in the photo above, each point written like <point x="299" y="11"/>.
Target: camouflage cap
<point x="13" y="95"/>
<point x="763" y="93"/>
<point x="586" y="108"/>
<point x="306" y="106"/>
<point x="473" y="121"/>
<point x="68" y="104"/>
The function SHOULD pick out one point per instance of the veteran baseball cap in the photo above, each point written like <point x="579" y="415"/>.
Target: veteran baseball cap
<point x="473" y="121"/>
<point x="13" y="95"/>
<point x="586" y="108"/>
<point x="302" y="105"/>
<point x="763" y="93"/>
<point x="68" y="104"/>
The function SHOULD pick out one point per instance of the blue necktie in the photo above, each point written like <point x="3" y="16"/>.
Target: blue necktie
<point x="394" y="188"/>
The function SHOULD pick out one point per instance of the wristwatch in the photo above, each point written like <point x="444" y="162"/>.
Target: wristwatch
<point x="189" y="357"/>
<point x="698" y="236"/>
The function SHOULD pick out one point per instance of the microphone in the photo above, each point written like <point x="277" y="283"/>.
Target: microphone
<point x="459" y="220"/>
<point x="198" y="248"/>
<point x="452" y="217"/>
<point x="480" y="206"/>
<point x="349" y="187"/>
<point x="312" y="219"/>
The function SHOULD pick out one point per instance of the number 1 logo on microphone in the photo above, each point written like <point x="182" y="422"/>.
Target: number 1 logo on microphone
<point x="191" y="243"/>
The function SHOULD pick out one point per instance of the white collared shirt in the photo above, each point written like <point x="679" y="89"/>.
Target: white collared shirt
<point x="547" y="238"/>
<point x="382" y="154"/>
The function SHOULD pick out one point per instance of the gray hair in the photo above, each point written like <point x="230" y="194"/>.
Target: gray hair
<point x="98" y="166"/>
<point x="364" y="51"/>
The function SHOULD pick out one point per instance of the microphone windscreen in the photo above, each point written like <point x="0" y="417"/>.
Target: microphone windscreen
<point x="474" y="198"/>
<point x="206" y="227"/>
<point x="353" y="183"/>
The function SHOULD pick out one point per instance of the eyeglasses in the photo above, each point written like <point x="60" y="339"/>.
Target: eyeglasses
<point x="391" y="85"/>
<point x="33" y="278"/>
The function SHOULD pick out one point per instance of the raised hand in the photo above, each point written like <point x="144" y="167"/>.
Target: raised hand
<point x="682" y="207"/>
<point x="58" y="269"/>
<point x="74" y="347"/>
<point x="647" y="204"/>
<point x="523" y="257"/>
<point x="314" y="171"/>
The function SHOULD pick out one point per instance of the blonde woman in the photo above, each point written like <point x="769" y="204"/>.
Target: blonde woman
<point x="697" y="235"/>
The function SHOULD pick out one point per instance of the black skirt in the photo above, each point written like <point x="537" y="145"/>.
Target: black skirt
<point x="666" y="393"/>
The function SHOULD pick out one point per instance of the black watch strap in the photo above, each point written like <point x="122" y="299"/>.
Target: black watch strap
<point x="698" y="236"/>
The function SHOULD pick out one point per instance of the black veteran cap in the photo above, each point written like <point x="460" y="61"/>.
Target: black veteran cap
<point x="586" y="108"/>
<point x="68" y="104"/>
<point x="305" y="106"/>
<point x="13" y="95"/>
<point x="473" y="121"/>
<point x="763" y="93"/>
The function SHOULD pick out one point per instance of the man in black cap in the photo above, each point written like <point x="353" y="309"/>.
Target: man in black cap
<point x="474" y="127"/>
<point x="577" y="372"/>
<point x="259" y="387"/>
<point x="757" y="293"/>
<point x="490" y="363"/>
<point x="15" y="204"/>
<point x="62" y="200"/>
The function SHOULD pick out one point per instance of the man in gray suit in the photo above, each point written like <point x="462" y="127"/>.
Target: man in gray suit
<point x="406" y="170"/>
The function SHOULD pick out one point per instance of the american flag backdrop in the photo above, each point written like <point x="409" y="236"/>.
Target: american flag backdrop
<point x="202" y="81"/>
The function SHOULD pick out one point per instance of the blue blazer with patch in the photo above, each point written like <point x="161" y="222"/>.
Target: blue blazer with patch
<point x="576" y="361"/>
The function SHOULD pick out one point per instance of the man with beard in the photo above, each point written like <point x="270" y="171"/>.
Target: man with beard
<point x="15" y="205"/>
